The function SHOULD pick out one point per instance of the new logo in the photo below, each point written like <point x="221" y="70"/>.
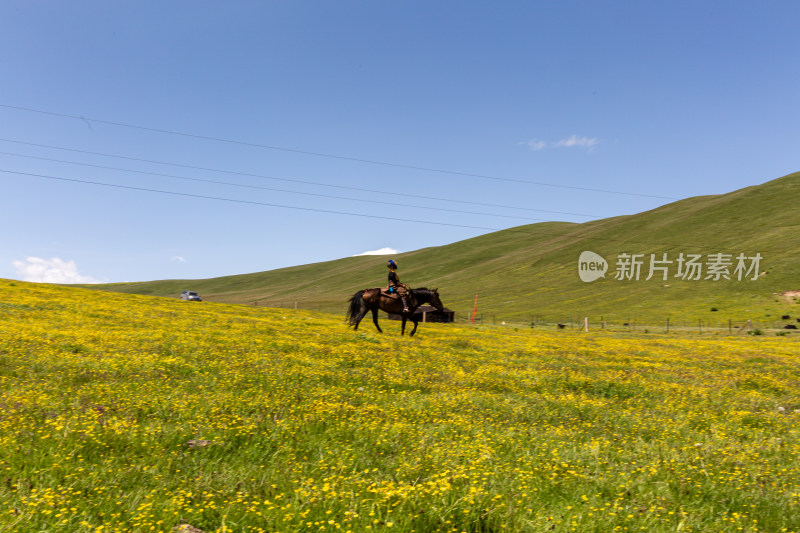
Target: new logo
<point x="591" y="266"/>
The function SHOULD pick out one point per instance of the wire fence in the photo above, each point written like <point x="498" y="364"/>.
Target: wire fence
<point x="783" y="325"/>
<point x="731" y="326"/>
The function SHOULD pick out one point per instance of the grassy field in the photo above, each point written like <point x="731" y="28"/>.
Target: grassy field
<point x="133" y="413"/>
<point x="531" y="272"/>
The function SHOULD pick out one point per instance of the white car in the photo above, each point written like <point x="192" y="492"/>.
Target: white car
<point x="191" y="296"/>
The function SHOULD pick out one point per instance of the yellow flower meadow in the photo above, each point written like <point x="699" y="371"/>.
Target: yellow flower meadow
<point x="130" y="413"/>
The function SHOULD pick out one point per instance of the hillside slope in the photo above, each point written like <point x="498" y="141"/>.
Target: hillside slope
<point x="532" y="271"/>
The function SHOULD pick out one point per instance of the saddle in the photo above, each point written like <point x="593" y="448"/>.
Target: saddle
<point x="385" y="292"/>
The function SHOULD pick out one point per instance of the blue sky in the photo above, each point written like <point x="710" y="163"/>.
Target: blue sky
<point x="308" y="131"/>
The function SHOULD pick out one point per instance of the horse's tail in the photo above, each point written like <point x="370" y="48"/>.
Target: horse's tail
<point x="355" y="308"/>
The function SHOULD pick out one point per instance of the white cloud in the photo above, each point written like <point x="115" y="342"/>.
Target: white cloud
<point x="382" y="251"/>
<point x="583" y="142"/>
<point x="53" y="270"/>
<point x="537" y="145"/>
<point x="570" y="142"/>
<point x="178" y="259"/>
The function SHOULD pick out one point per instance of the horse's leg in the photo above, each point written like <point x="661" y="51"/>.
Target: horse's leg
<point x="416" y="322"/>
<point x="403" y="327"/>
<point x="360" y="316"/>
<point x="375" y="319"/>
<point x="357" y="321"/>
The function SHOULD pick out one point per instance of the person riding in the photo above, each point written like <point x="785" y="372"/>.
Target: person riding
<point x="395" y="287"/>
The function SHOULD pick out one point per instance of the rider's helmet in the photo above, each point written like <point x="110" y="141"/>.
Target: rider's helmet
<point x="391" y="264"/>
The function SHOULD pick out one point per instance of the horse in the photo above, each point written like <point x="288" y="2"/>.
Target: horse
<point x="374" y="299"/>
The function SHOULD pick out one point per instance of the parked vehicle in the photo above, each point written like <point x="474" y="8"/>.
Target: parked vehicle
<point x="191" y="296"/>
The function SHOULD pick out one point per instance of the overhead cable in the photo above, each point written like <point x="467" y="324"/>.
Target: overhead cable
<point x="292" y="180"/>
<point x="271" y="189"/>
<point x="572" y="233"/>
<point x="330" y="156"/>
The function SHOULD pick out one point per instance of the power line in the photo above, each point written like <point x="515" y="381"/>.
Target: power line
<point x="525" y="230"/>
<point x="234" y="200"/>
<point x="257" y="187"/>
<point x="331" y="156"/>
<point x="291" y="180"/>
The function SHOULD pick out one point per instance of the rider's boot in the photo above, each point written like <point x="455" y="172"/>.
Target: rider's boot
<point x="405" y="305"/>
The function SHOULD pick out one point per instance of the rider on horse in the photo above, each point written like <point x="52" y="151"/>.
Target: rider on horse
<point x="395" y="287"/>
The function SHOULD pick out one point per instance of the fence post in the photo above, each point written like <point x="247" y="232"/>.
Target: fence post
<point x="667" y="324"/>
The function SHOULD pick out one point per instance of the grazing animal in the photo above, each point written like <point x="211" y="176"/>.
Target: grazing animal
<point x="789" y="326"/>
<point x="785" y="317"/>
<point x="562" y="326"/>
<point x="373" y="300"/>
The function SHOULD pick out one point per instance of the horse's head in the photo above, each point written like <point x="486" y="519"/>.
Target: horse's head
<point x="435" y="301"/>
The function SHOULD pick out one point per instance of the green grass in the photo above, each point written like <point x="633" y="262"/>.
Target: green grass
<point x="128" y="413"/>
<point x="531" y="271"/>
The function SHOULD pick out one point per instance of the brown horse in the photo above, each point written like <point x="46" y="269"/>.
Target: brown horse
<point x="373" y="299"/>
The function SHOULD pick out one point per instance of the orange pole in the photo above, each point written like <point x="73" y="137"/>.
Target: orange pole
<point x="475" y="309"/>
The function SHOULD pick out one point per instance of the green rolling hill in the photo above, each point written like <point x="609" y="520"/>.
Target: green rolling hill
<point x="532" y="271"/>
